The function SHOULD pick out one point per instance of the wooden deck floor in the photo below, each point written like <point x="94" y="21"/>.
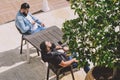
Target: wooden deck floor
<point x="8" y="11"/>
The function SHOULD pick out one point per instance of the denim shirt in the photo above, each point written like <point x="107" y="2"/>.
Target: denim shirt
<point x="23" y="24"/>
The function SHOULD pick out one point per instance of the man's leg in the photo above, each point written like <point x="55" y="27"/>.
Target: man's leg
<point x="39" y="29"/>
<point x="74" y="65"/>
<point x="86" y="67"/>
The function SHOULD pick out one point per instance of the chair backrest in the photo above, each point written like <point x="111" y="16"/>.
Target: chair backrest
<point x="60" y="69"/>
<point x="19" y="30"/>
<point x="52" y="34"/>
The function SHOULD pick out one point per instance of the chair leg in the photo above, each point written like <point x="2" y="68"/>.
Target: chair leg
<point x="48" y="70"/>
<point x="72" y="74"/>
<point x="57" y="78"/>
<point x="25" y="42"/>
<point x="57" y="75"/>
<point x="21" y="47"/>
<point x="38" y="52"/>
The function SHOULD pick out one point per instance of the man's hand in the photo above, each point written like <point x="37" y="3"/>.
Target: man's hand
<point x="74" y="60"/>
<point x="42" y="25"/>
<point x="65" y="48"/>
<point x="58" y="47"/>
<point x="33" y="22"/>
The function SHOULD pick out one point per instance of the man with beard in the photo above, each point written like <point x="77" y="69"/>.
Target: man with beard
<point x="26" y="22"/>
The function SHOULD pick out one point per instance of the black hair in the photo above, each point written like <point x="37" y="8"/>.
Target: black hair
<point x="43" y="47"/>
<point x="25" y="6"/>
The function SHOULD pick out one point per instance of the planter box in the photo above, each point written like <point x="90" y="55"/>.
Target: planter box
<point x="99" y="73"/>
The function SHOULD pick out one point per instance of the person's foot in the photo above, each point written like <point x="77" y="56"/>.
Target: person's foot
<point x="86" y="68"/>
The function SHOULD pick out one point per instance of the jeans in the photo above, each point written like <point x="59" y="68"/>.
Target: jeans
<point x="86" y="67"/>
<point x="38" y="29"/>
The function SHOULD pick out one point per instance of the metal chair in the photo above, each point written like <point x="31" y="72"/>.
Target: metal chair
<point x="59" y="70"/>
<point x="22" y="39"/>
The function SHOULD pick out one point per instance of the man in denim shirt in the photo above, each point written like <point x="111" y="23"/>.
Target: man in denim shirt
<point x="26" y="22"/>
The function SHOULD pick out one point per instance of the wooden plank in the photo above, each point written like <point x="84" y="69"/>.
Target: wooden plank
<point x="56" y="32"/>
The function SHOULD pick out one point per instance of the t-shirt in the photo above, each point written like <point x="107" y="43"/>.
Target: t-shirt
<point x="35" y="26"/>
<point x="53" y="59"/>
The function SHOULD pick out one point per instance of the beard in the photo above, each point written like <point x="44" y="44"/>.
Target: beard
<point x="25" y="14"/>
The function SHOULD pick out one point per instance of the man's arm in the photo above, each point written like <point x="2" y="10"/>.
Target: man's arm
<point x="67" y="63"/>
<point x="21" y="25"/>
<point x="36" y="20"/>
<point x="65" y="48"/>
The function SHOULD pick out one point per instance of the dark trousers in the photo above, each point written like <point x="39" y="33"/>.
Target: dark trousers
<point x="86" y="67"/>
